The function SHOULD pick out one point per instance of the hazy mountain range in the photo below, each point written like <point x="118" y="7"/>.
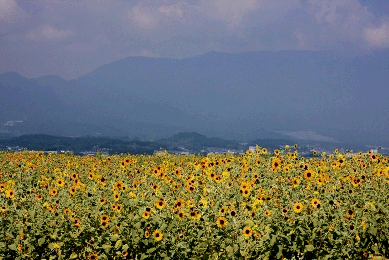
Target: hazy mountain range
<point x="330" y="95"/>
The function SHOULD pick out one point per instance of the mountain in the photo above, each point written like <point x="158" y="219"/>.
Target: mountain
<point x="242" y="96"/>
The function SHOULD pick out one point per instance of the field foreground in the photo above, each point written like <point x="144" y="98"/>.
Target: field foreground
<point x="259" y="205"/>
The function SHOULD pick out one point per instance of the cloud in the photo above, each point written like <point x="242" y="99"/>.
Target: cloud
<point x="171" y="10"/>
<point x="142" y="17"/>
<point x="231" y="12"/>
<point x="93" y="32"/>
<point x="9" y="10"/>
<point x="378" y="37"/>
<point x="302" y="39"/>
<point x="150" y="16"/>
<point x="146" y="53"/>
<point x="48" y="32"/>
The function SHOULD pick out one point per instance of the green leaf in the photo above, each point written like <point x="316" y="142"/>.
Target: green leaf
<point x="230" y="251"/>
<point x="118" y="244"/>
<point x="373" y="230"/>
<point x="13" y="247"/>
<point x="106" y="248"/>
<point x="279" y="254"/>
<point x="41" y="241"/>
<point x="249" y="222"/>
<point x="309" y="248"/>
<point x="273" y="240"/>
<point x="125" y="247"/>
<point x="150" y="250"/>
<point x="138" y="225"/>
<point x="115" y="237"/>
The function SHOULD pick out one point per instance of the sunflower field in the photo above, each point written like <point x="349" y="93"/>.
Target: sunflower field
<point x="258" y="205"/>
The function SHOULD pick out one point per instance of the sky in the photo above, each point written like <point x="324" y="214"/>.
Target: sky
<point x="69" y="38"/>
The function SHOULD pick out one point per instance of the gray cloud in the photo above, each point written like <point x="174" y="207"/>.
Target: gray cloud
<point x="70" y="38"/>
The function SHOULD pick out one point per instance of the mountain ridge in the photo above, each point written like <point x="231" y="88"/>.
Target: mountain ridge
<point x="219" y="94"/>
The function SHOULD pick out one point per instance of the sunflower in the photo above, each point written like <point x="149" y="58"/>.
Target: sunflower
<point x="60" y="182"/>
<point x="350" y="213"/>
<point x="211" y="175"/>
<point x="116" y="196"/>
<point x="157" y="234"/>
<point x="245" y="193"/>
<point x="10" y="194"/>
<point x="223" y="211"/>
<point x="276" y="152"/>
<point x="308" y="175"/>
<point x="93" y="257"/>
<point x="320" y="180"/>
<point x="195" y="215"/>
<point x="275" y="165"/>
<point x="247" y="232"/>
<point x="295" y="182"/>
<point x="264" y="150"/>
<point x="373" y="157"/>
<point x="126" y="162"/>
<point x="221" y="222"/>
<point x="287" y="168"/>
<point x="341" y="160"/>
<point x="314" y="152"/>
<point x="104" y="218"/>
<point x="298" y="207"/>
<point x="147" y="234"/>
<point x="315" y="203"/>
<point x="355" y="181"/>
<point x="104" y="224"/>
<point x="180" y="215"/>
<point x="145" y="214"/>
<point x="160" y="204"/>
<point x="244" y="186"/>
<point x="155" y="187"/>
<point x="179" y="204"/>
<point x="38" y="197"/>
<point x="102" y="201"/>
<point x="74" y="176"/>
<point x="53" y="192"/>
<point x="117" y="207"/>
<point x="72" y="191"/>
<point x="178" y="172"/>
<point x="203" y="203"/>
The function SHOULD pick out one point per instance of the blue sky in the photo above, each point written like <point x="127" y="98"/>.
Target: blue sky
<point x="70" y="38"/>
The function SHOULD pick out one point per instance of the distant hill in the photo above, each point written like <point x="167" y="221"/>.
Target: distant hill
<point x="186" y="141"/>
<point x="232" y="96"/>
<point x="196" y="141"/>
<point x="79" y="144"/>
